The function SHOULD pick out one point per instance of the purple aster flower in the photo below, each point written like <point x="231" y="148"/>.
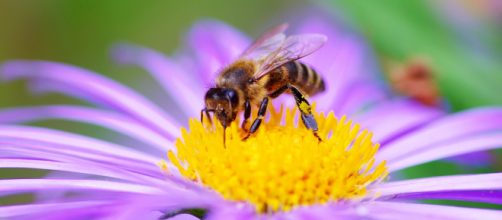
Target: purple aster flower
<point x="282" y="172"/>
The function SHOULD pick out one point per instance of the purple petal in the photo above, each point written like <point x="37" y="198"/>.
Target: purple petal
<point x="22" y="210"/>
<point x="32" y="141"/>
<point x="184" y="217"/>
<point x="215" y="45"/>
<point x="486" y="196"/>
<point x="239" y="211"/>
<point x="102" y="118"/>
<point x="341" y="62"/>
<point x="346" y="64"/>
<point x="134" y="206"/>
<point x="173" y="200"/>
<point x="323" y="212"/>
<point x="453" y="148"/>
<point x="450" y="128"/>
<point x="76" y="166"/>
<point x="140" y="206"/>
<point x="475" y="159"/>
<point x="396" y="118"/>
<point x="56" y="137"/>
<point x="93" y="85"/>
<point x="22" y="185"/>
<point x="82" y="213"/>
<point x="185" y="90"/>
<point x="485" y="182"/>
<point x="411" y="211"/>
<point x="43" y="86"/>
<point x="62" y="153"/>
<point x="132" y="213"/>
<point x="360" y="95"/>
<point x="322" y="58"/>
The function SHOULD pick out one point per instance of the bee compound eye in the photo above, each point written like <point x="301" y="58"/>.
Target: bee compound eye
<point x="232" y="97"/>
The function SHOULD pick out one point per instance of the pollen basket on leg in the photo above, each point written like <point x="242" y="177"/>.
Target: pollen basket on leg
<point x="283" y="165"/>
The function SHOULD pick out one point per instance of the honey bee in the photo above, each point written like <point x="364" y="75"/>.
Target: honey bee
<point x="267" y="69"/>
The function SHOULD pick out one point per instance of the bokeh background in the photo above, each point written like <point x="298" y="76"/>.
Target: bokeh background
<point x="460" y="39"/>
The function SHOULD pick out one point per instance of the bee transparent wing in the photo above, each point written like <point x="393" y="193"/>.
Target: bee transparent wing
<point x="292" y="48"/>
<point x="267" y="42"/>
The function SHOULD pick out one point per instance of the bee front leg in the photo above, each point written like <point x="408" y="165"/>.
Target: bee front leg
<point x="256" y="123"/>
<point x="205" y="110"/>
<point x="305" y="110"/>
<point x="247" y="114"/>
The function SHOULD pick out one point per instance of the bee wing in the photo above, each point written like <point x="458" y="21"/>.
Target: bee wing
<point x="266" y="42"/>
<point x="289" y="49"/>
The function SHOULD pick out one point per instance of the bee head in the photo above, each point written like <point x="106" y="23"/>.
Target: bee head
<point x="224" y="102"/>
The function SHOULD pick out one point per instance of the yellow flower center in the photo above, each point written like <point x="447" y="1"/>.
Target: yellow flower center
<point x="283" y="165"/>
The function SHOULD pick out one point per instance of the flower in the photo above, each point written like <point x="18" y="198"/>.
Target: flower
<point x="119" y="181"/>
<point x="297" y="170"/>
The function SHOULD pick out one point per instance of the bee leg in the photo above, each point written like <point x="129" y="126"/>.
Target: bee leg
<point x="205" y="110"/>
<point x="256" y="123"/>
<point x="202" y="114"/>
<point x="247" y="114"/>
<point x="305" y="110"/>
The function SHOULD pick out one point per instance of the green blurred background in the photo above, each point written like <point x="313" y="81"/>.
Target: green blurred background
<point x="80" y="32"/>
<point x="462" y="38"/>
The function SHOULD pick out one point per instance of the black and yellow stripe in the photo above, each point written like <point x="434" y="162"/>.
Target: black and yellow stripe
<point x="304" y="78"/>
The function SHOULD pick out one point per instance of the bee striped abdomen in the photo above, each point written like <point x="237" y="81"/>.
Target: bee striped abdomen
<point x="304" y="78"/>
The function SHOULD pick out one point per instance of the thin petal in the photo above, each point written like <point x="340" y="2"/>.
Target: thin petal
<point x="491" y="181"/>
<point x="336" y="40"/>
<point x="411" y="211"/>
<point x="32" y="140"/>
<point x="24" y="185"/>
<point x="102" y="118"/>
<point x="393" y="119"/>
<point x="93" y="85"/>
<point x="169" y="202"/>
<point x="136" y="206"/>
<point x="450" y="128"/>
<point x="233" y="211"/>
<point x="346" y="65"/>
<point x="75" y="167"/>
<point x="184" y="217"/>
<point x="475" y="159"/>
<point x="177" y="83"/>
<point x="323" y="212"/>
<point x="56" y="137"/>
<point x="21" y="210"/>
<point x="458" y="147"/>
<point x="43" y="151"/>
<point x="486" y="196"/>
<point x="360" y="95"/>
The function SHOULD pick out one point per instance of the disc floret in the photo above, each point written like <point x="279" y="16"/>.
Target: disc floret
<point x="283" y="165"/>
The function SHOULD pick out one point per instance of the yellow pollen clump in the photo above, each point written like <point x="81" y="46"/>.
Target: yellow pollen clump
<point x="283" y="165"/>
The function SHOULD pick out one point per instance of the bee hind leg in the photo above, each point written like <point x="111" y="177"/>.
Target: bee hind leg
<point x="305" y="110"/>
<point x="257" y="122"/>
